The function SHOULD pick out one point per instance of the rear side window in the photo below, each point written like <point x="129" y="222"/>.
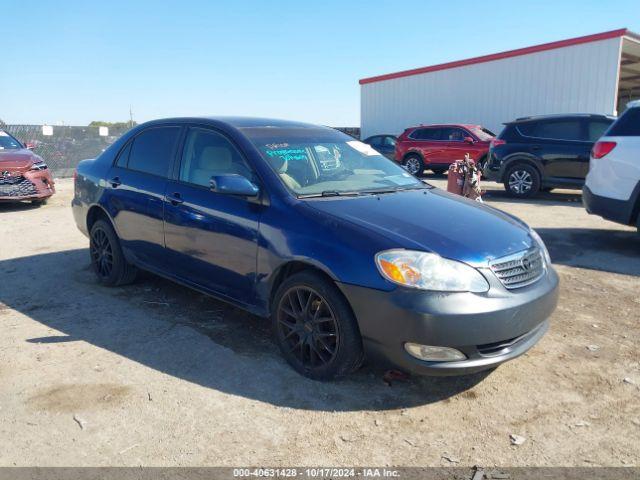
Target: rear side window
<point x="374" y="141"/>
<point x="152" y="150"/>
<point x="596" y="128"/>
<point x="628" y="125"/>
<point x="426" y="134"/>
<point x="561" y="130"/>
<point x="553" y="129"/>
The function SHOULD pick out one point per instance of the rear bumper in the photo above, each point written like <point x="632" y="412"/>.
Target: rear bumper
<point x="489" y="328"/>
<point x="31" y="185"/>
<point x="619" y="211"/>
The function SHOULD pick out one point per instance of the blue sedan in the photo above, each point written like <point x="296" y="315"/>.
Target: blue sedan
<point x="347" y="254"/>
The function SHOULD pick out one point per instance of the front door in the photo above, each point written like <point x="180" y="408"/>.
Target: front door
<point x="211" y="237"/>
<point x="134" y="192"/>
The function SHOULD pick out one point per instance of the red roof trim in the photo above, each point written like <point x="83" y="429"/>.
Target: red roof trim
<point x="508" y="54"/>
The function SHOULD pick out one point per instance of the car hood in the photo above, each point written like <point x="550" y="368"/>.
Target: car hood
<point x="436" y="221"/>
<point x="16" y="160"/>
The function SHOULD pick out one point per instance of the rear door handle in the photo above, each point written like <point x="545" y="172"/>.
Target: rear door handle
<point x="175" y="199"/>
<point x="115" y="182"/>
<point x="535" y="147"/>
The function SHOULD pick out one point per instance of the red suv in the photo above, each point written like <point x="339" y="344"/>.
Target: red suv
<point x="437" y="146"/>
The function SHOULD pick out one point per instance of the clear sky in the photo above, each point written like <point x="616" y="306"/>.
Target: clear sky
<point x="76" y="61"/>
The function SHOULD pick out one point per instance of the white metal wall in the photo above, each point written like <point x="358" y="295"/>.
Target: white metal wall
<point x="575" y="79"/>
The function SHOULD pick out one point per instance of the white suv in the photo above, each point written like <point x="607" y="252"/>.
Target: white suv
<point x="612" y="187"/>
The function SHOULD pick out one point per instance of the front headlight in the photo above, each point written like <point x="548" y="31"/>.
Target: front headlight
<point x="543" y="247"/>
<point x="429" y="271"/>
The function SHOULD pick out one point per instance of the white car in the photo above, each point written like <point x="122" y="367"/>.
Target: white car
<point x="612" y="187"/>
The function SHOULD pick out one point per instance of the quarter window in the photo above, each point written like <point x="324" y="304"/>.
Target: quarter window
<point x="152" y="150"/>
<point x="596" y="128"/>
<point x="208" y="153"/>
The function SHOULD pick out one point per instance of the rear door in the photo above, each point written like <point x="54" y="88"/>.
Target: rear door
<point x="427" y="141"/>
<point x="562" y="148"/>
<point x="135" y="192"/>
<point x="211" y="237"/>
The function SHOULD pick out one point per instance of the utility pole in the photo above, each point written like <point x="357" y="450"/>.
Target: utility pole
<point x="130" y="117"/>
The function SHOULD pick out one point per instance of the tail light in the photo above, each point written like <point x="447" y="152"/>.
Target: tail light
<point x="496" y="142"/>
<point x="601" y="149"/>
<point x="75" y="175"/>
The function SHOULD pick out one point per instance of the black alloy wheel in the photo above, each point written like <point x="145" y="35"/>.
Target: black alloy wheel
<point x="101" y="253"/>
<point x="315" y="327"/>
<point x="107" y="259"/>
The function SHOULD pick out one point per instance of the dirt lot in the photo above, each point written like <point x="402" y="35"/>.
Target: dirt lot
<point x="155" y="374"/>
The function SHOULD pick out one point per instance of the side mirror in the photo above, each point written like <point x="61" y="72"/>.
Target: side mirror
<point x="468" y="140"/>
<point x="29" y="146"/>
<point x="233" y="184"/>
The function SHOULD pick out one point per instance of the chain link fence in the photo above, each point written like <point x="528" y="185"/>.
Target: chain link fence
<point x="62" y="147"/>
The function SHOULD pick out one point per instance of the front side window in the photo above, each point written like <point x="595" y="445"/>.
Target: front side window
<point x="7" y="142"/>
<point x="314" y="162"/>
<point x="453" y="134"/>
<point x="389" y="142"/>
<point x="153" y="149"/>
<point x="208" y="153"/>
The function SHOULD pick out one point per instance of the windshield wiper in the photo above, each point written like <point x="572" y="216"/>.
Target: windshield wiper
<point x="329" y="193"/>
<point x="394" y="189"/>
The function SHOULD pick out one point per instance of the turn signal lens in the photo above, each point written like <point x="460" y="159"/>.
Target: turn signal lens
<point x="600" y="149"/>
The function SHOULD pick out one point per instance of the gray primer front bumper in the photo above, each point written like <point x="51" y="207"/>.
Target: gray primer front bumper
<point x="466" y="321"/>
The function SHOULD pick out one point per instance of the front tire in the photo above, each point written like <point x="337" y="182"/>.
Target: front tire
<point x="522" y="181"/>
<point x="413" y="164"/>
<point x="315" y="328"/>
<point x="107" y="260"/>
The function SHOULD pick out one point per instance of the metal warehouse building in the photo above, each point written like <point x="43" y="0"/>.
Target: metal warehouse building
<point x="593" y="74"/>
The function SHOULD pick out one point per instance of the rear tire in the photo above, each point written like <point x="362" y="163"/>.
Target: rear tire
<point x="315" y="328"/>
<point x="413" y="164"/>
<point x="107" y="260"/>
<point x="522" y="181"/>
<point x="39" y="202"/>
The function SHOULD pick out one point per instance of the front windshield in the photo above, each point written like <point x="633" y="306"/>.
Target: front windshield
<point x="314" y="162"/>
<point x="7" y="142"/>
<point x="483" y="134"/>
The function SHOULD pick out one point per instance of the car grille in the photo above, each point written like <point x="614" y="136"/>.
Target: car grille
<point x="16" y="187"/>
<point x="520" y="269"/>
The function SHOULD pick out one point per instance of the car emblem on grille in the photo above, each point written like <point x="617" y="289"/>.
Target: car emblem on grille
<point x="6" y="173"/>
<point x="526" y="264"/>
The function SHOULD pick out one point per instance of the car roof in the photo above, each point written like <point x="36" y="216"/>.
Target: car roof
<point x="557" y="116"/>
<point x="240" y="122"/>
<point x="633" y="104"/>
<point x="464" y="125"/>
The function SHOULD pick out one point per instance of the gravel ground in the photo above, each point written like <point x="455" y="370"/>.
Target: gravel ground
<point x="155" y="374"/>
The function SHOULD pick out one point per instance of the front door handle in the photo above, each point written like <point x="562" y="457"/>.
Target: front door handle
<point x="115" y="182"/>
<point x="175" y="199"/>
<point x="535" y="147"/>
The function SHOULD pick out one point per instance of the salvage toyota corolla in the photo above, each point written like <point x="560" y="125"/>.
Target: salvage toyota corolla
<point x="347" y="253"/>
<point x="23" y="174"/>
